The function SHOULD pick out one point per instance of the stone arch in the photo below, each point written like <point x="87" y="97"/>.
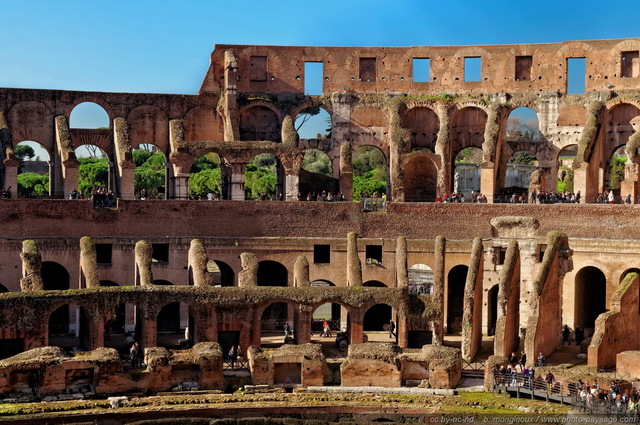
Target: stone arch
<point x="260" y="121"/>
<point x="108" y="283"/>
<point x="467" y="128"/>
<point x="590" y="296"/>
<point x="38" y="182"/>
<point x="89" y="114"/>
<point x="566" y="157"/>
<point x="377" y="318"/>
<point x="176" y="326"/>
<point x="148" y="124"/>
<point x="627" y="271"/>
<point x="62" y="330"/>
<point x="32" y="121"/>
<point x="420" y="279"/>
<point x="272" y="273"/>
<point x="203" y="123"/>
<point x="375" y="284"/>
<point x="223" y="274"/>
<point x="336" y="314"/>
<point x="420" y="177"/>
<point x="423" y="124"/>
<point x="456" y="280"/>
<point x="162" y="282"/>
<point x="310" y="126"/>
<point x="322" y="282"/>
<point x="3" y="289"/>
<point x="55" y="276"/>
<point x="316" y="173"/>
<point x="360" y="168"/>
<point x="271" y="318"/>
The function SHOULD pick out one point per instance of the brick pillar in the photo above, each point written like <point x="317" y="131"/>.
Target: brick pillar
<point x="303" y="324"/>
<point x="150" y="334"/>
<point x="237" y="181"/>
<point x="356" y="328"/>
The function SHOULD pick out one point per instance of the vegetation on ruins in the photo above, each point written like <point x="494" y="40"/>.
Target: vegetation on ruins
<point x="369" y="172"/>
<point x="149" y="172"/>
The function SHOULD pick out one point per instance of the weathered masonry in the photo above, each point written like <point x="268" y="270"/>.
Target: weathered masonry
<point x="419" y="105"/>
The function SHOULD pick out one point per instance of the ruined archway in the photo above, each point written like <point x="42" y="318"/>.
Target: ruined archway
<point x="54" y="276"/>
<point x="151" y="173"/>
<point x="466" y="172"/>
<point x="456" y="280"/>
<point x="208" y="178"/>
<point x="95" y="173"/>
<point x="375" y="284"/>
<point x="264" y="178"/>
<point x="566" y="158"/>
<point x="313" y="122"/>
<point x="626" y="272"/>
<point x="423" y="126"/>
<point x="370" y="172"/>
<point x="523" y="125"/>
<point x="316" y="175"/>
<point x="272" y="273"/>
<point x="420" y="180"/>
<point x="176" y="326"/>
<point x="89" y="115"/>
<point x="34" y="178"/>
<point x="590" y="296"/>
<point x="376" y="322"/>
<point x="258" y="123"/>
<point x="272" y="324"/>
<point x="222" y="273"/>
<point x="420" y="279"/>
<point x="614" y="174"/>
<point x="70" y="328"/>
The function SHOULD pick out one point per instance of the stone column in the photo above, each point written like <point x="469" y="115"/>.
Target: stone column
<point x="291" y="165"/>
<point x="356" y="328"/>
<point x="301" y="272"/>
<point x="198" y="260"/>
<point x="31" y="267"/>
<point x="229" y="106"/>
<point x="442" y="149"/>
<point x="402" y="272"/>
<point x="237" y="181"/>
<point x="248" y="276"/>
<point x="143" y="253"/>
<point x="346" y="171"/>
<point x="354" y="268"/>
<point x="124" y="159"/>
<point x="88" y="263"/>
<point x="303" y="326"/>
<point x="437" y="324"/>
<point x="67" y="154"/>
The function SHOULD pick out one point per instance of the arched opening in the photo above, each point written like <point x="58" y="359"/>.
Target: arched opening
<point x="423" y="125"/>
<point x="264" y="179"/>
<point x="420" y="279"/>
<point x="176" y="326"/>
<point x="374" y="284"/>
<point x="313" y="122"/>
<point x="272" y="273"/>
<point x="492" y="310"/>
<point x="566" y="157"/>
<point x="3" y="289"/>
<point x="369" y="172"/>
<point x="376" y="323"/>
<point x="54" y="276"/>
<point x="467" y="131"/>
<point x="316" y="175"/>
<point x="70" y="328"/>
<point x="520" y="166"/>
<point x="33" y="171"/>
<point x="420" y="180"/>
<point x="272" y="325"/>
<point x="523" y="125"/>
<point x="89" y="115"/>
<point x="222" y="273"/>
<point x="151" y="172"/>
<point x="161" y="282"/>
<point x="590" y="297"/>
<point x="208" y="178"/>
<point x="626" y="272"/>
<point x="456" y="280"/>
<point x="94" y="174"/>
<point x="466" y="174"/>
<point x="615" y="174"/>
<point x="259" y="123"/>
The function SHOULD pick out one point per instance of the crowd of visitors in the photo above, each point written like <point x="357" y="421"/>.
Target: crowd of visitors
<point x="325" y="195"/>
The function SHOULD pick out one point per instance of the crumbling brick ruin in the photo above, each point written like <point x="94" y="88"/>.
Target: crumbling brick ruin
<point x="220" y="274"/>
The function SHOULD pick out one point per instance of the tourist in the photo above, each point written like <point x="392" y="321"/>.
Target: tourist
<point x="232" y="356"/>
<point x="143" y="194"/>
<point x="523" y="359"/>
<point x="549" y="379"/>
<point x="611" y="197"/>
<point x="392" y="328"/>
<point x="541" y="360"/>
<point x="287" y="329"/>
<point x="565" y="335"/>
<point x="73" y="194"/>
<point x="134" y="355"/>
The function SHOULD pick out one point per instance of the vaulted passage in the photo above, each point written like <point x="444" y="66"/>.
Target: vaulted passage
<point x="590" y="298"/>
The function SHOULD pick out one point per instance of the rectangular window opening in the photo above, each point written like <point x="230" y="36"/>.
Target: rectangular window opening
<point x="630" y="64"/>
<point x="160" y="252"/>
<point x="576" y="75"/>
<point x="313" y="78"/>
<point x="367" y="69"/>
<point x="373" y="254"/>
<point x="541" y="250"/>
<point x="258" y="68"/>
<point x="523" y="68"/>
<point x="103" y="253"/>
<point x="421" y="70"/>
<point x="473" y="69"/>
<point x="502" y="255"/>
<point x="322" y="254"/>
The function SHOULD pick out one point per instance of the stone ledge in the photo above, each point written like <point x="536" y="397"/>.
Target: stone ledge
<point x="381" y="390"/>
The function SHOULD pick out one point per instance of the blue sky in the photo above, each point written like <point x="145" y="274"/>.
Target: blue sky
<point x="164" y="46"/>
